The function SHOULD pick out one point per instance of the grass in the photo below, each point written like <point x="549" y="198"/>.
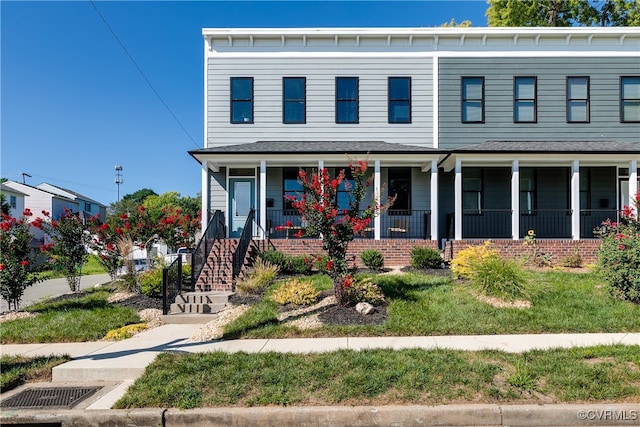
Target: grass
<point x="92" y="266"/>
<point x="17" y="370"/>
<point x="85" y="317"/>
<point x="562" y="302"/>
<point x="377" y="377"/>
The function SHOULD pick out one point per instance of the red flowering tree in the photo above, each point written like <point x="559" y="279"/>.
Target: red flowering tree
<point x="177" y="228"/>
<point x="69" y="241"/>
<point x="15" y="276"/>
<point x="619" y="254"/>
<point x="318" y="206"/>
<point x="104" y="242"/>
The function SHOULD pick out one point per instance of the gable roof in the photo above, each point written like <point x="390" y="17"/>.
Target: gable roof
<point x="50" y="187"/>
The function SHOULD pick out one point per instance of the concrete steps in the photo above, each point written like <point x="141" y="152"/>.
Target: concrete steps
<point x="199" y="303"/>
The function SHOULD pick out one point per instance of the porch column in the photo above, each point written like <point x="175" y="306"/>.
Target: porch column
<point x="633" y="183"/>
<point x="434" y="200"/>
<point x="204" y="202"/>
<point x="515" y="200"/>
<point x="458" y="200"/>
<point x="575" y="200"/>
<point x="376" y="196"/>
<point x="262" y="231"/>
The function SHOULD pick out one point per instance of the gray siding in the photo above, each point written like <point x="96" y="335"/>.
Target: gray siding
<point x="551" y="123"/>
<point x="218" y="191"/>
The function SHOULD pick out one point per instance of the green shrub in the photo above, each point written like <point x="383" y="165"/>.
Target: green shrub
<point x="363" y="290"/>
<point x="263" y="274"/>
<point x="298" y="292"/>
<point x="572" y="261"/>
<point x="463" y="264"/>
<point x="288" y="264"/>
<point x="500" y="278"/>
<point x="274" y="257"/>
<point x="425" y="257"/>
<point x="124" y="332"/>
<point x="151" y="282"/>
<point x="373" y="259"/>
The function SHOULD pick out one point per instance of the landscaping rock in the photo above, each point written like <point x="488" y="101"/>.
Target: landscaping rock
<point x="364" y="308"/>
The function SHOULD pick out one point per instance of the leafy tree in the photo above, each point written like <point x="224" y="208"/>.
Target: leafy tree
<point x="4" y="205"/>
<point x="105" y="243"/>
<point x="15" y="276"/>
<point x="453" y="23"/>
<point x="70" y="238"/>
<point x="139" y="196"/>
<point x="562" y="13"/>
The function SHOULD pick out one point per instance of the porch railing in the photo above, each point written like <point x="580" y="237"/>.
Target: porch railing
<point x="591" y="219"/>
<point x="485" y="223"/>
<point x="243" y="244"/>
<point x="171" y="283"/>
<point x="546" y="223"/>
<point x="402" y="224"/>
<point x="214" y="231"/>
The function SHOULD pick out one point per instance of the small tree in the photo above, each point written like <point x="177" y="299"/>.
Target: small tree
<point x="15" y="276"/>
<point x="70" y="238"/>
<point x="619" y="254"/>
<point x="104" y="242"/>
<point x="318" y="206"/>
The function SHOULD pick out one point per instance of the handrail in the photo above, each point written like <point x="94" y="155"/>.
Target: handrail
<point x="171" y="283"/>
<point x="215" y="231"/>
<point x="243" y="244"/>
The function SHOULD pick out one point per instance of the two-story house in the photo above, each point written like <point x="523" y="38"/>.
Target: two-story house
<point x="480" y="133"/>
<point x="87" y="207"/>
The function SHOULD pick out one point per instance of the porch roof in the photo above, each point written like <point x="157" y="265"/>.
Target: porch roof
<point x="573" y="147"/>
<point x="282" y="153"/>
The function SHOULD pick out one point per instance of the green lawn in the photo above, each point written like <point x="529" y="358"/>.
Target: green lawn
<point x="92" y="266"/>
<point x="380" y="377"/>
<point x="16" y="370"/>
<point x="429" y="305"/>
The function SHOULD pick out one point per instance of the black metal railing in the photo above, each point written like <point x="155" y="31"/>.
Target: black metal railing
<point x="546" y="223"/>
<point x="591" y="219"/>
<point x="486" y="223"/>
<point x="401" y="224"/>
<point x="171" y="283"/>
<point x="215" y="231"/>
<point x="243" y="244"/>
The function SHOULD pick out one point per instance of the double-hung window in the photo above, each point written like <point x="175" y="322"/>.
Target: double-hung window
<point x="524" y="100"/>
<point x="472" y="99"/>
<point x="630" y="99"/>
<point x="472" y="191"/>
<point x="294" y="100"/>
<point x="346" y="100"/>
<point x="399" y="89"/>
<point x="527" y="191"/>
<point x="13" y="202"/>
<point x="293" y="190"/>
<point x="577" y="99"/>
<point x="400" y="187"/>
<point x="241" y="99"/>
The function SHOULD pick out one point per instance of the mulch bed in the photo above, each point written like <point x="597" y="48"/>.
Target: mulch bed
<point x="340" y="315"/>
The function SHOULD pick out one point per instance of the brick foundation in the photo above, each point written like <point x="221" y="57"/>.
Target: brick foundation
<point x="557" y="248"/>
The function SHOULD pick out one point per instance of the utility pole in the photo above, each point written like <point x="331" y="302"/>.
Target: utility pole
<point x="24" y="175"/>
<point x="119" y="179"/>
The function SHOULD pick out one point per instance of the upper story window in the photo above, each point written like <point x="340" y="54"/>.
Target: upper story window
<point x="294" y="100"/>
<point x="346" y="100"/>
<point x="400" y="187"/>
<point x="578" y="99"/>
<point x="472" y="99"/>
<point x="13" y="202"/>
<point x="399" y="99"/>
<point x="241" y="99"/>
<point x="630" y="99"/>
<point x="524" y="100"/>
<point x="87" y="207"/>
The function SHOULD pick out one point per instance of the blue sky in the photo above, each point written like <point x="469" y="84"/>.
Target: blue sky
<point x="74" y="104"/>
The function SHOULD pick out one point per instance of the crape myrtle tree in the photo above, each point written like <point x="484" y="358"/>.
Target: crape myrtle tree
<point x="318" y="206"/>
<point x="15" y="275"/>
<point x="68" y="246"/>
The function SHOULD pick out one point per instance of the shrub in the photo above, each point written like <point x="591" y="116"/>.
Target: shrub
<point x="363" y="290"/>
<point x="298" y="292"/>
<point x="373" y="259"/>
<point x="425" y="257"/>
<point x="572" y="261"/>
<point x="288" y="264"/>
<point x="263" y="274"/>
<point x="500" y="278"/>
<point x="124" y="332"/>
<point x="463" y="264"/>
<point x="151" y="282"/>
<point x="274" y="257"/>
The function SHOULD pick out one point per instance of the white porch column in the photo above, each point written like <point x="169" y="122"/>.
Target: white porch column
<point x="434" y="200"/>
<point x="515" y="200"/>
<point x="458" y="200"/>
<point x="633" y="183"/>
<point x="376" y="196"/>
<point x="262" y="233"/>
<point x="204" y="202"/>
<point x="575" y="200"/>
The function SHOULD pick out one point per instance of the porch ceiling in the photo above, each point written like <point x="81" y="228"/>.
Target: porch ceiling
<point x="333" y="153"/>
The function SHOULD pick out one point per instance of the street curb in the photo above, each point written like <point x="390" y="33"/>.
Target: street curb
<point x="604" y="414"/>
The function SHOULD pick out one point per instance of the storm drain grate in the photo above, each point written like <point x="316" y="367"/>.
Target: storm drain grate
<point x="58" y="397"/>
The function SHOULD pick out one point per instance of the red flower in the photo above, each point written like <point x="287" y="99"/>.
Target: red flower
<point x="348" y="281"/>
<point x="329" y="265"/>
<point x="45" y="213"/>
<point x="1" y="267"/>
<point x="289" y="224"/>
<point x="123" y="216"/>
<point x="621" y="247"/>
<point x="26" y="212"/>
<point x="24" y="263"/>
<point x="298" y="234"/>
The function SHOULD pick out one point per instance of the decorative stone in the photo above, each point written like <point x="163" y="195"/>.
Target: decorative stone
<point x="364" y="308"/>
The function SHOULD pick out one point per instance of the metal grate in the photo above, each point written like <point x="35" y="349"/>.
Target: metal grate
<point x="58" y="397"/>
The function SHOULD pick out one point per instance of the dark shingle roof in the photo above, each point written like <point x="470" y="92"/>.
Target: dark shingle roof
<point x="312" y="147"/>
<point x="609" y="147"/>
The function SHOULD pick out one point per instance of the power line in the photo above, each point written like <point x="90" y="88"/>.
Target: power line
<point x="142" y="73"/>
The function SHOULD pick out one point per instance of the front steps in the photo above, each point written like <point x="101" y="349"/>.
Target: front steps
<point x="196" y="307"/>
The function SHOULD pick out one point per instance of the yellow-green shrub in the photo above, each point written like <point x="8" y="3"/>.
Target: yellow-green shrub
<point x="296" y="292"/>
<point x="263" y="274"/>
<point x="462" y="265"/>
<point x="364" y="290"/>
<point x="124" y="332"/>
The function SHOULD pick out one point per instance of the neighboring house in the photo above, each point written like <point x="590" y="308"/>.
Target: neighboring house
<point x="86" y="207"/>
<point x="481" y="133"/>
<point x="15" y="200"/>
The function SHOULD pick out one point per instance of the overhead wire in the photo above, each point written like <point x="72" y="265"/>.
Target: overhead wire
<point x="135" y="64"/>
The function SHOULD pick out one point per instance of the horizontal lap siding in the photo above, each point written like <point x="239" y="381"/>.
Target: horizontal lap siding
<point x="551" y="123"/>
<point x="320" y="125"/>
